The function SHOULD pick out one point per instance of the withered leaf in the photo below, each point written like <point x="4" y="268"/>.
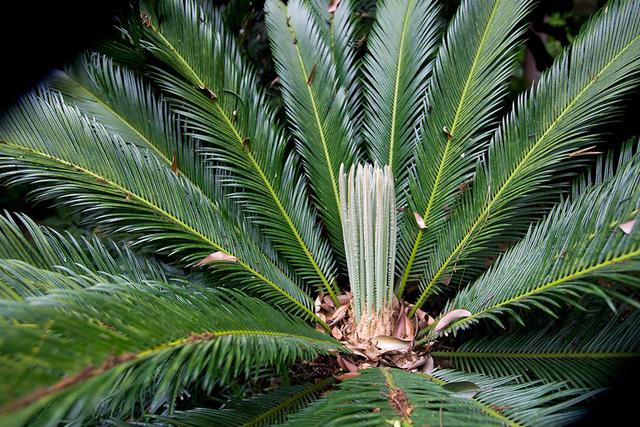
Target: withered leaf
<point x="333" y="5"/>
<point x="216" y="256"/>
<point x="388" y="343"/>
<point x="337" y="315"/>
<point x="448" y="133"/>
<point x="404" y="327"/>
<point x="419" y="221"/>
<point x="312" y="75"/>
<point x="584" y="152"/>
<point x="627" y="227"/>
<point x="347" y="376"/>
<point x="174" y="163"/>
<point x="451" y="317"/>
<point x="428" y="366"/>
<point x="336" y="333"/>
<point x="347" y="364"/>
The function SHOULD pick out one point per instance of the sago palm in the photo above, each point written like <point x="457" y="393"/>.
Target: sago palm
<point x="382" y="250"/>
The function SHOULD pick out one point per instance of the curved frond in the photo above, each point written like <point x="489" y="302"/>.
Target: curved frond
<point x="221" y="105"/>
<point x="107" y="349"/>
<point x="45" y="248"/>
<point x="468" y="85"/>
<point x="579" y="248"/>
<point x="585" y="352"/>
<point x="261" y="410"/>
<point x="539" y="140"/>
<point x="341" y="30"/>
<point x="380" y="396"/>
<point x="123" y="103"/>
<point x="397" y="68"/>
<point x="316" y="105"/>
<point x="123" y="188"/>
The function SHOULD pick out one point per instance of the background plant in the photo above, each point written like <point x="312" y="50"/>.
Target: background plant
<point x="225" y="210"/>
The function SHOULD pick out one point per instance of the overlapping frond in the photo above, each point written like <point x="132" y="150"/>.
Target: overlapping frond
<point x="584" y="351"/>
<point x="380" y="396"/>
<point x="466" y="90"/>
<point x="580" y="248"/>
<point x="261" y="410"/>
<point x="340" y="29"/>
<point x="39" y="260"/>
<point x="78" y="162"/>
<point x="315" y="104"/>
<point x="218" y="99"/>
<point x="397" y="67"/>
<point x="182" y="154"/>
<point x="539" y="140"/>
<point x="123" y="103"/>
<point x="23" y="240"/>
<point x="125" y="349"/>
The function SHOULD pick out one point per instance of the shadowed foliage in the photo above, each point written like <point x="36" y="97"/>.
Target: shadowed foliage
<point x="262" y="255"/>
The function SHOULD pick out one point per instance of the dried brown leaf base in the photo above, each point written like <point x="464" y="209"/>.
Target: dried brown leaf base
<point x="385" y="340"/>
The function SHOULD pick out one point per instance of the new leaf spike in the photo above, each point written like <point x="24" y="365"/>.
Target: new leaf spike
<point x="369" y="228"/>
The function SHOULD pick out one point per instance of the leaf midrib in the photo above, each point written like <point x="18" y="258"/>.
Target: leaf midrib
<point x="548" y="285"/>
<point x="487" y="209"/>
<point x="318" y="120"/>
<point x="396" y="86"/>
<point x="530" y="355"/>
<point x="162" y="212"/>
<point x="143" y="137"/>
<point x="435" y="188"/>
<point x="289" y="401"/>
<point x="487" y="409"/>
<point x="263" y="176"/>
<point x="145" y="354"/>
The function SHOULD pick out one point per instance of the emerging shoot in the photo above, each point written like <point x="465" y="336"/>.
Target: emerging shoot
<point x="369" y="228"/>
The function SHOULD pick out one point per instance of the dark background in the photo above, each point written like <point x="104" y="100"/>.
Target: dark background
<point x="40" y="36"/>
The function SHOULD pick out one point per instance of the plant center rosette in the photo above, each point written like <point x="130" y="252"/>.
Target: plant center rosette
<point x="387" y="338"/>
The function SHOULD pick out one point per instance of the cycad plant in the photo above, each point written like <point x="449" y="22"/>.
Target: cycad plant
<point x="382" y="250"/>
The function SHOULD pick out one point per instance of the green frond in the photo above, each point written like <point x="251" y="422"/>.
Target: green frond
<point x="122" y="349"/>
<point x="340" y="30"/>
<point x="467" y="88"/>
<point x="579" y="248"/>
<point x="39" y="260"/>
<point x="261" y="410"/>
<point x="397" y="68"/>
<point x="43" y="247"/>
<point x="538" y="140"/>
<point x="315" y="104"/>
<point x="533" y="403"/>
<point x="222" y="106"/>
<point x="20" y="280"/>
<point x="131" y="192"/>
<point x="585" y="351"/>
<point x="390" y="396"/>
<point x="123" y="103"/>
